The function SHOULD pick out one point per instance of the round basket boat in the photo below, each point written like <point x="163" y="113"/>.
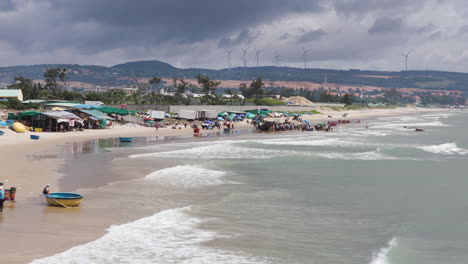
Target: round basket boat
<point x="64" y="199"/>
<point x="125" y="139"/>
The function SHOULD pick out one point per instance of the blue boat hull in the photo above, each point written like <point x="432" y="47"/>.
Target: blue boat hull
<point x="126" y="139"/>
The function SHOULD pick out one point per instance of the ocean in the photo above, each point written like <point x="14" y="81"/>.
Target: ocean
<point x="381" y="195"/>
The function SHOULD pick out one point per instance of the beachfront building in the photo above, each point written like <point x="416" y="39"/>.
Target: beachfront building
<point x="6" y="94"/>
<point x="103" y="89"/>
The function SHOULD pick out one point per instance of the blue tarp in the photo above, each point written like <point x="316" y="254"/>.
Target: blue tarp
<point x="86" y="106"/>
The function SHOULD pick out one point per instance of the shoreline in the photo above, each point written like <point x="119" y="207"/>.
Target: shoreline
<point x="30" y="175"/>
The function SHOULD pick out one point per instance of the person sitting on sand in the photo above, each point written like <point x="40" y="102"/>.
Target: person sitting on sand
<point x="2" y="198"/>
<point x="46" y="190"/>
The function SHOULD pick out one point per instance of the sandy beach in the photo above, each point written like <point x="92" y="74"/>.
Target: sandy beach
<point x="31" y="230"/>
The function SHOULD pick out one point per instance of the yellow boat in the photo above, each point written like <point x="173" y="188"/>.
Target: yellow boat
<point x="18" y="127"/>
<point x="64" y="199"/>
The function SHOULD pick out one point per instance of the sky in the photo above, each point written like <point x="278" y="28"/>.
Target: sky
<point x="338" y="34"/>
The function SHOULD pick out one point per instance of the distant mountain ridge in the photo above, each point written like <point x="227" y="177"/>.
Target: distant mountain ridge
<point x="128" y="74"/>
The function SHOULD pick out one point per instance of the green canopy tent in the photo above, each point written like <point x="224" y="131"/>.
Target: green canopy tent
<point x="27" y="114"/>
<point x="96" y="113"/>
<point x="112" y="110"/>
<point x="261" y="112"/>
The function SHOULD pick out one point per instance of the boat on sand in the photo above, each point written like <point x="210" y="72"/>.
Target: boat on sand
<point x="64" y="199"/>
<point x="125" y="139"/>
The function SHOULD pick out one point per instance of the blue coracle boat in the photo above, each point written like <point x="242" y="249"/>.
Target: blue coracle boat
<point x="64" y="199"/>
<point x="125" y="139"/>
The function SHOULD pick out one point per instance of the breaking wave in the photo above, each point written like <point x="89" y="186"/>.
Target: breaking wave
<point x="316" y="142"/>
<point x="187" y="176"/>
<point x="170" y="236"/>
<point x="370" y="155"/>
<point x="446" y="149"/>
<point x="381" y="256"/>
<point x="219" y="151"/>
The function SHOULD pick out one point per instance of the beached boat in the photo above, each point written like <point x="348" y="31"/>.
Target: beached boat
<point x="64" y="199"/>
<point x="36" y="137"/>
<point x="125" y="139"/>
<point x="419" y="129"/>
<point x="1" y="133"/>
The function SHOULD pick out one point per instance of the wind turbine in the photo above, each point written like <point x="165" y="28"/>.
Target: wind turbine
<point x="276" y="60"/>
<point x="244" y="56"/>
<point x="406" y="58"/>
<point x="229" y="57"/>
<point x="305" y="56"/>
<point x="257" y="54"/>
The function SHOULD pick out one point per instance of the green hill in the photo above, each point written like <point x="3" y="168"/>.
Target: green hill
<point x="126" y="73"/>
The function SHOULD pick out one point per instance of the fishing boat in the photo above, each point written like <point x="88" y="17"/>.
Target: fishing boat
<point x="125" y="139"/>
<point x="36" y="137"/>
<point x="419" y="129"/>
<point x="64" y="199"/>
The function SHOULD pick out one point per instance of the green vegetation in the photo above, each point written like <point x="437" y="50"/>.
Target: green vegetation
<point x="129" y="73"/>
<point x="266" y="101"/>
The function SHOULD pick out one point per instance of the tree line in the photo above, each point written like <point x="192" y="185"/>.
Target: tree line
<point x="157" y="91"/>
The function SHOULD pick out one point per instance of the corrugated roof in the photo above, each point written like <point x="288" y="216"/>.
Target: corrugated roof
<point x="33" y="101"/>
<point x="62" y="104"/>
<point x="9" y="92"/>
<point x="61" y="115"/>
<point x="96" y="113"/>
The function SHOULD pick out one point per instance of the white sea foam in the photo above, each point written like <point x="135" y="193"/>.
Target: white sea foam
<point x="381" y="256"/>
<point x="187" y="176"/>
<point x="171" y="236"/>
<point x="219" y="151"/>
<point x="312" y="142"/>
<point x="446" y="149"/>
<point x="370" y="155"/>
<point x="369" y="132"/>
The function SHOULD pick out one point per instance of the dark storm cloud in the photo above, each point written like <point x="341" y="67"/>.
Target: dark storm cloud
<point x="106" y="31"/>
<point x="184" y="21"/>
<point x="6" y="5"/>
<point x="313" y="35"/>
<point x="386" y="25"/>
<point x="244" y="37"/>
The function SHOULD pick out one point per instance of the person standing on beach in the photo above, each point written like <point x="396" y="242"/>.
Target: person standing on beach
<point x="46" y="190"/>
<point x="2" y="198"/>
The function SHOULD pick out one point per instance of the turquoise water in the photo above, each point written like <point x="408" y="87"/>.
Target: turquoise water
<point x="382" y="195"/>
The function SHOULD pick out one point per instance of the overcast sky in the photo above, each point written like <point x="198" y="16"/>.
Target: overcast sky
<point x="341" y="34"/>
